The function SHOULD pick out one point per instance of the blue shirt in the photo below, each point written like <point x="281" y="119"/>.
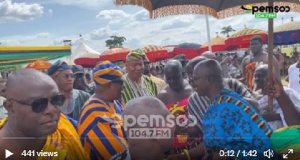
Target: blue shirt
<point x="232" y="123"/>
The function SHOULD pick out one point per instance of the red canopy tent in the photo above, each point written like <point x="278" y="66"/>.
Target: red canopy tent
<point x="114" y="54"/>
<point x="190" y="50"/>
<point x="156" y="53"/>
<point x="241" y="39"/>
<point x="217" y="45"/>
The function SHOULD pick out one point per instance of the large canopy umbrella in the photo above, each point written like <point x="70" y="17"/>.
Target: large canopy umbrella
<point x="115" y="54"/>
<point x="39" y="65"/>
<point x="217" y="45"/>
<point x="190" y="50"/>
<point x="156" y="53"/>
<point x="85" y="56"/>
<point x="241" y="39"/>
<point x="288" y="33"/>
<point x="216" y="8"/>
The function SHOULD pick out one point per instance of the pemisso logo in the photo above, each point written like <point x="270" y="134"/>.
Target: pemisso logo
<point x="268" y="9"/>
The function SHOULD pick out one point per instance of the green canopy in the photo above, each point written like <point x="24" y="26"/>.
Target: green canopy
<point x="12" y="58"/>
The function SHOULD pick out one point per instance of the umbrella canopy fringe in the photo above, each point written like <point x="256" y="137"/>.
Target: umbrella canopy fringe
<point x="147" y="4"/>
<point x="198" y="9"/>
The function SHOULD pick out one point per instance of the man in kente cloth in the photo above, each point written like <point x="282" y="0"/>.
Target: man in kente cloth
<point x="230" y="123"/>
<point x="256" y="57"/>
<point x="135" y="83"/>
<point x="175" y="96"/>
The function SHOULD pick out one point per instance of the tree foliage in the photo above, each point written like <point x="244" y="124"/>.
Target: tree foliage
<point x="226" y="30"/>
<point x="115" y="42"/>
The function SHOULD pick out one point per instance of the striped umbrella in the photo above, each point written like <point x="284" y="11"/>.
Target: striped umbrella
<point x="156" y="53"/>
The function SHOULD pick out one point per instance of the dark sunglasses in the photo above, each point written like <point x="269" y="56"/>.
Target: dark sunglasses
<point x="119" y="81"/>
<point x="39" y="105"/>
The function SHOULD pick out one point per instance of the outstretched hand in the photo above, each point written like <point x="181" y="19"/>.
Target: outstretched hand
<point x="276" y="89"/>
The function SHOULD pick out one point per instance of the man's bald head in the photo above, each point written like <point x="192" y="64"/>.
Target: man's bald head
<point x="26" y="80"/>
<point x="146" y="106"/>
<point x="26" y="90"/>
<point x="141" y="116"/>
<point x="174" y="65"/>
<point x="209" y="54"/>
<point x="263" y="68"/>
<point x="174" y="75"/>
<point x="209" y="67"/>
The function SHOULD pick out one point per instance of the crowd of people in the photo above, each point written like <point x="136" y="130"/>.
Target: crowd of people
<point x="203" y="108"/>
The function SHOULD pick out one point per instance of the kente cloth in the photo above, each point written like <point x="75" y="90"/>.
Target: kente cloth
<point x="287" y="138"/>
<point x="76" y="102"/>
<point x="133" y="90"/>
<point x="249" y="73"/>
<point x="232" y="123"/>
<point x="106" y="72"/>
<point x="198" y="105"/>
<point x="65" y="141"/>
<point x="180" y="108"/>
<point x="101" y="128"/>
<point x="160" y="83"/>
<point x="136" y="54"/>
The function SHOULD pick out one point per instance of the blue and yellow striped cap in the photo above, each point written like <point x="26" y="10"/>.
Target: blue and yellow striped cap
<point x="106" y="72"/>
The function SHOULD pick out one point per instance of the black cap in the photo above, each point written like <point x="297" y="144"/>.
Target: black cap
<point x="77" y="69"/>
<point x="58" y="65"/>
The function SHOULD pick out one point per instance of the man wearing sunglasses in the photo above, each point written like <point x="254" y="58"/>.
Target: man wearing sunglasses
<point x="101" y="125"/>
<point x="62" y="74"/>
<point x="34" y="121"/>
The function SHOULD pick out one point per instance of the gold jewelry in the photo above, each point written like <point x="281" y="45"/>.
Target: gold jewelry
<point x="186" y="152"/>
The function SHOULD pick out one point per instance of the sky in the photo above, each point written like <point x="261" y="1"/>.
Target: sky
<point x="49" y="22"/>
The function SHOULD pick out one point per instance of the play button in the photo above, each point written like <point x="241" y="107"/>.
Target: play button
<point x="8" y="153"/>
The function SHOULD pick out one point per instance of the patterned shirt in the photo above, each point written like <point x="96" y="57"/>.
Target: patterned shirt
<point x="199" y="104"/>
<point x="100" y="128"/>
<point x="76" y="102"/>
<point x="132" y="90"/>
<point x="232" y="123"/>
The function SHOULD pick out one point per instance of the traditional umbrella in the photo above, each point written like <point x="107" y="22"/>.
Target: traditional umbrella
<point x="115" y="54"/>
<point x="156" y="53"/>
<point x="39" y="65"/>
<point x="241" y="39"/>
<point x="217" y="45"/>
<point x="85" y="56"/>
<point x="288" y="33"/>
<point x="190" y="50"/>
<point x="218" y="9"/>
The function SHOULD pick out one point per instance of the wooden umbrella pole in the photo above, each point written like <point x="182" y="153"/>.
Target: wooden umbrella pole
<point x="270" y="55"/>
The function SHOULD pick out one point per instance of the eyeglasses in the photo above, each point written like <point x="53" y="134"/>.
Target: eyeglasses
<point x="119" y="81"/>
<point x="39" y="105"/>
<point x="67" y="76"/>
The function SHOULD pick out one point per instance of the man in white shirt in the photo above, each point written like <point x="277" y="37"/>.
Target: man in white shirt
<point x="294" y="76"/>
<point x="275" y="117"/>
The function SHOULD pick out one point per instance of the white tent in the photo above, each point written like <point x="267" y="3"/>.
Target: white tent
<point x="84" y="51"/>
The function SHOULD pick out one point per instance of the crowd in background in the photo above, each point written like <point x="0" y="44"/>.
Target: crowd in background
<point x="81" y="113"/>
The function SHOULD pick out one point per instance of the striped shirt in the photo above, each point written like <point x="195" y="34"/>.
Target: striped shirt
<point x="132" y="90"/>
<point x="198" y="105"/>
<point x="100" y="128"/>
